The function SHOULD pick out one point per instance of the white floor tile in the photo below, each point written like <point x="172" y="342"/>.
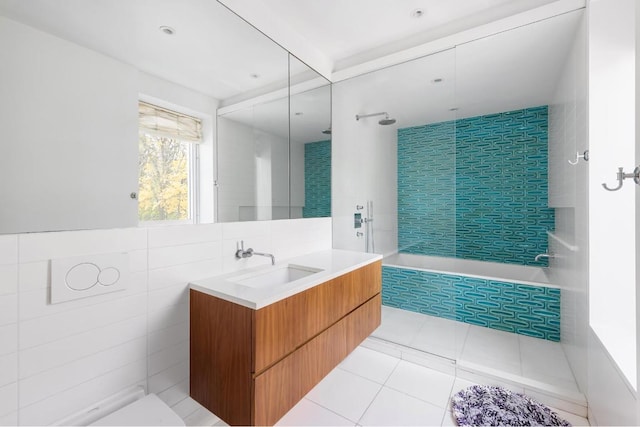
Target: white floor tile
<point x="201" y="417"/>
<point x="393" y="408"/>
<point x="493" y="348"/>
<point x="370" y="364"/>
<point x="449" y="420"/>
<point x="459" y="384"/>
<point x="573" y="419"/>
<point x="400" y="326"/>
<point x="423" y="383"/>
<point x="186" y="407"/>
<point x="475" y="378"/>
<point x="308" y="413"/>
<point x="493" y="361"/>
<point x="554" y="402"/>
<point x="441" y="337"/>
<point x="344" y="393"/>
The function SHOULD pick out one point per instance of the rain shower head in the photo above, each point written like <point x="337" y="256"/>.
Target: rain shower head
<point x="384" y="122"/>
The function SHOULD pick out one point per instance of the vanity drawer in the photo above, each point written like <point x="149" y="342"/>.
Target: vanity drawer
<point x="282" y="327"/>
<point x="280" y="387"/>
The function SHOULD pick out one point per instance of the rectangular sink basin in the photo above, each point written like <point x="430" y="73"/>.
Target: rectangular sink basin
<point x="279" y="275"/>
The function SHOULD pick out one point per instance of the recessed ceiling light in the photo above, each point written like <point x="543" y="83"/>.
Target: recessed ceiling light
<point x="167" y="30"/>
<point x="418" y="13"/>
<point x="438" y="80"/>
<point x="299" y="113"/>
<point x="254" y="76"/>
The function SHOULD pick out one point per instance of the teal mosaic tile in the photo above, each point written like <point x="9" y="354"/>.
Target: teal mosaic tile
<point x="317" y="180"/>
<point x="512" y="307"/>
<point x="476" y="188"/>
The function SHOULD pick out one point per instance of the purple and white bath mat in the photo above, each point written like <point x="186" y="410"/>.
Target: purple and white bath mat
<point x="481" y="405"/>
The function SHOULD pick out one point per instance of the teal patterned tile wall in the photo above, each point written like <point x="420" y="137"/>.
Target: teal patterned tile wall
<point x="426" y="189"/>
<point x="491" y="205"/>
<point x="317" y="179"/>
<point x="513" y="307"/>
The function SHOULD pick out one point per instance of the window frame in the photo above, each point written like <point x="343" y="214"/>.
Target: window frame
<point x="193" y="174"/>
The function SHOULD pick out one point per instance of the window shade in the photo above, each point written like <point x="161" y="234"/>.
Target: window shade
<point x="162" y="122"/>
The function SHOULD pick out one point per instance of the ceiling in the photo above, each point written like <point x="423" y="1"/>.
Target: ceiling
<point x="346" y="31"/>
<point x="215" y="52"/>
<point x="508" y="71"/>
<point x="212" y="51"/>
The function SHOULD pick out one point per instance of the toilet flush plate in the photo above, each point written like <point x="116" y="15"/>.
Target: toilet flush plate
<point x="86" y="276"/>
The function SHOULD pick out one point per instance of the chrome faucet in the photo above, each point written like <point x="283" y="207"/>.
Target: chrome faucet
<point x="547" y="255"/>
<point x="241" y="253"/>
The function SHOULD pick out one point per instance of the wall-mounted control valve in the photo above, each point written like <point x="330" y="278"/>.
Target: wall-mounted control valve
<point x="357" y="220"/>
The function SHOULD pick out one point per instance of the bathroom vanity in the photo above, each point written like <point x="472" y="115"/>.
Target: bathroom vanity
<point x="262" y="338"/>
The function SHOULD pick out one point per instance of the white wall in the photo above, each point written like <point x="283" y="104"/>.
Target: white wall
<point x="568" y="194"/>
<point x="253" y="173"/>
<point x="235" y="190"/>
<point x="58" y="359"/>
<point x="70" y="131"/>
<point x="612" y="358"/>
<point x="612" y="249"/>
<point x="363" y="167"/>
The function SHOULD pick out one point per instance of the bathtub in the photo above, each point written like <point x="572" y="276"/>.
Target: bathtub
<point x="512" y="298"/>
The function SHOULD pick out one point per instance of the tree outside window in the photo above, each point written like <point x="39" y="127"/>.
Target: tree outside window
<point x="164" y="179"/>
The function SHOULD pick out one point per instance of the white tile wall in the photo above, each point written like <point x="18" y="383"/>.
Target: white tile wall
<point x="363" y="165"/>
<point x="58" y="359"/>
<point x="8" y="330"/>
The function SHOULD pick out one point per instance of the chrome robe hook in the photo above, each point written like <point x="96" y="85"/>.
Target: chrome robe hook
<point x="579" y="156"/>
<point x="621" y="176"/>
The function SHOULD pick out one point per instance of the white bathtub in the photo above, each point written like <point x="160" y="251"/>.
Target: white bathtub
<point x="536" y="276"/>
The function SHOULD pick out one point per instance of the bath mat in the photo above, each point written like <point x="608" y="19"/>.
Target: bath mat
<point x="481" y="405"/>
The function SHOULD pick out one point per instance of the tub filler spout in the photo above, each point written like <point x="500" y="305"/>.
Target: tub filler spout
<point x="544" y="255"/>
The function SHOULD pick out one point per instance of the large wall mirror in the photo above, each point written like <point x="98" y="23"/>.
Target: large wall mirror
<point x="286" y="136"/>
<point x="74" y="75"/>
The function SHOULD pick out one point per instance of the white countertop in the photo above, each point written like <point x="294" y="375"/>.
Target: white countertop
<point x="332" y="263"/>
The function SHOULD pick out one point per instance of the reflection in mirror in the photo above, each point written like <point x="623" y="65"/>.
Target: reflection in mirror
<point x="73" y="102"/>
<point x="310" y="143"/>
<point x="283" y="135"/>
<point x="253" y="163"/>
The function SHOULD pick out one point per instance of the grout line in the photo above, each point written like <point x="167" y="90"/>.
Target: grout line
<point x="86" y="381"/>
<point x="369" y="405"/>
<point x="166" y="369"/>
<point x="116" y="296"/>
<point x="198" y="407"/>
<point x="323" y="407"/>
<point x="61" y="365"/>
<point x="81" y="332"/>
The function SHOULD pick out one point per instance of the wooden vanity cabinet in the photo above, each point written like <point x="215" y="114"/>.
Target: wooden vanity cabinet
<point x="249" y="367"/>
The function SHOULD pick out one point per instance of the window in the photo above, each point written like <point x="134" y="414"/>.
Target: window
<point x="168" y="162"/>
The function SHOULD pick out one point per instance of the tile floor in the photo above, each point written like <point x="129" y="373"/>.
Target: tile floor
<point x="368" y="388"/>
<point x="513" y="355"/>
